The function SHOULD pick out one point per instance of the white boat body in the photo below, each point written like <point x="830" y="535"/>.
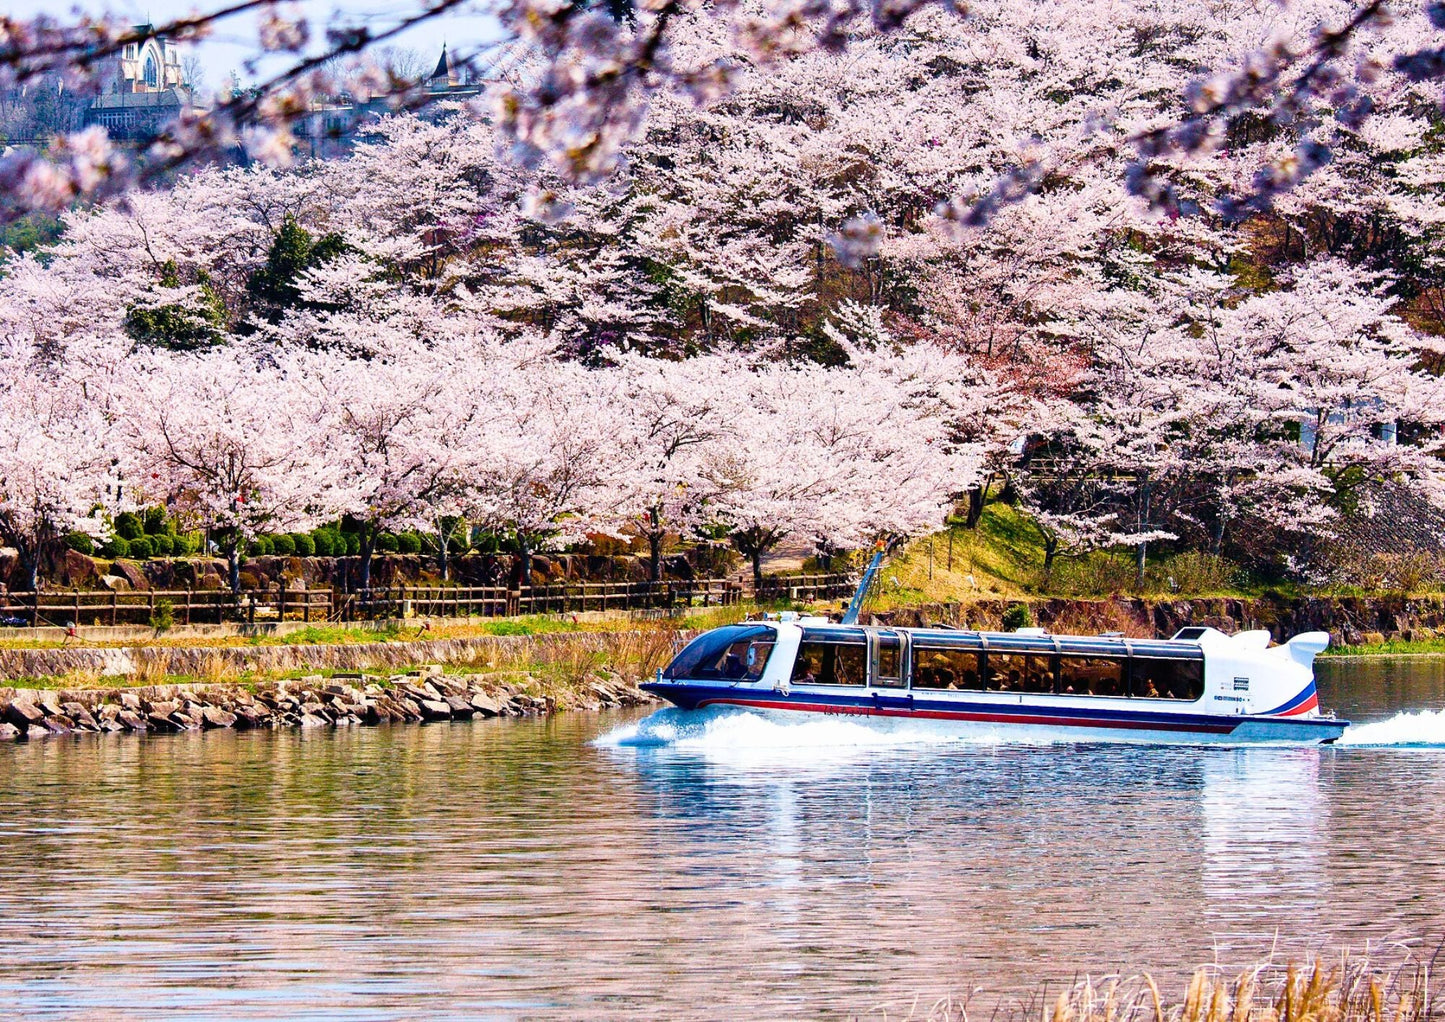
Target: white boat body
<point x="1242" y="689"/>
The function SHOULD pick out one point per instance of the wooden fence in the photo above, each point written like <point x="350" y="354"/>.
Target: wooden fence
<point x="806" y="588"/>
<point x="62" y="608"/>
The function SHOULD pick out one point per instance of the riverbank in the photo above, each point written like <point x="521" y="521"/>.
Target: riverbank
<point x="168" y="688"/>
<point x="428" y="695"/>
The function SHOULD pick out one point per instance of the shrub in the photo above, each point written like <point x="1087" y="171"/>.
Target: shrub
<point x="80" y="542"/>
<point x="116" y="546"/>
<point x="141" y="548"/>
<point x="155" y="521"/>
<point x="129" y="526"/>
<point x="408" y="543"/>
<point x="353" y="543"/>
<point x="1193" y="572"/>
<point x="164" y="545"/>
<point x="186" y="544"/>
<point x="283" y="545"/>
<point x="1017" y="616"/>
<point x="164" y="616"/>
<point x="1096" y="574"/>
<point x="386" y="543"/>
<point x="261" y="546"/>
<point x="305" y="546"/>
<point x="325" y="542"/>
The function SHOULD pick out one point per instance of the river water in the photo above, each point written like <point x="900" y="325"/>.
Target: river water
<point x="541" y="869"/>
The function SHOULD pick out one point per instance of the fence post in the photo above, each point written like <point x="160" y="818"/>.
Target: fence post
<point x="76" y="619"/>
<point x="188" y="603"/>
<point x="150" y="606"/>
<point x="114" y="600"/>
<point x="35" y="609"/>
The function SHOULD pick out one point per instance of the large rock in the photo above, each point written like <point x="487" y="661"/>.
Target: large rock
<point x="24" y="714"/>
<point x="78" y="571"/>
<point x="133" y="573"/>
<point x="435" y="709"/>
<point x="130" y="720"/>
<point x="211" y="717"/>
<point x="486" y="705"/>
<point x="115" y="583"/>
<point x="460" y="707"/>
<point x="9" y="732"/>
<point x="249" y="715"/>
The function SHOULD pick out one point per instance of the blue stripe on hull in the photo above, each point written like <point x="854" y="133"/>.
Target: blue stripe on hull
<point x="1087" y="721"/>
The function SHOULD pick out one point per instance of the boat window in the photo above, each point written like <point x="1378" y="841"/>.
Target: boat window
<point x="890" y="662"/>
<point x="831" y="663"/>
<point x="945" y="668"/>
<point x="1092" y="676"/>
<point x="733" y="653"/>
<point x="1157" y="678"/>
<point x="1019" y="672"/>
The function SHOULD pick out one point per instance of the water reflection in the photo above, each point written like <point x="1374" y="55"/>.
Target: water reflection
<point x="1266" y="841"/>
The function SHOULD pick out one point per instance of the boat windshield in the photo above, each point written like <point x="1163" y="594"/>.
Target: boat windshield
<point x="732" y="653"/>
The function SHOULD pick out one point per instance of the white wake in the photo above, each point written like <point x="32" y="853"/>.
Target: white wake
<point x="721" y="728"/>
<point x="1412" y="728"/>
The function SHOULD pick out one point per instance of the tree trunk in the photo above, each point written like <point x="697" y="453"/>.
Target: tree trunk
<point x="368" y="547"/>
<point x="654" y="544"/>
<point x="233" y="564"/>
<point x="444" y="561"/>
<point x="1141" y="552"/>
<point x="975" y="505"/>
<point x="31" y="565"/>
<point x="525" y="565"/>
<point x="757" y="558"/>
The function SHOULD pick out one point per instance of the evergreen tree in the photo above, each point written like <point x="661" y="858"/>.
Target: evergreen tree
<point x="194" y="319"/>
<point x="276" y="285"/>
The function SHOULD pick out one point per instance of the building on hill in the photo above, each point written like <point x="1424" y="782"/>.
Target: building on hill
<point x="332" y="126"/>
<point x="142" y="88"/>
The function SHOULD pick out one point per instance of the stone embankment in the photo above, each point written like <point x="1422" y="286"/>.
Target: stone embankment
<point x="424" y="696"/>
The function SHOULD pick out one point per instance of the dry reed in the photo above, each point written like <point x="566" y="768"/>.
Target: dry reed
<point x="1351" y="989"/>
<point x="151" y="670"/>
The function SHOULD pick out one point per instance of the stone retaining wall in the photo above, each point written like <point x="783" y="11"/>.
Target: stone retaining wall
<point x="206" y="661"/>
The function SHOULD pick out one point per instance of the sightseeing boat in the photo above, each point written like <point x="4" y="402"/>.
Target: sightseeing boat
<point x="1201" y="686"/>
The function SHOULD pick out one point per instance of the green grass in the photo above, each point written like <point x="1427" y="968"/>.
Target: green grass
<point x="1391" y="647"/>
<point x="1003" y="556"/>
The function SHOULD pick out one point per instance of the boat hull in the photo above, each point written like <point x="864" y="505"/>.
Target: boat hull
<point x="1019" y="721"/>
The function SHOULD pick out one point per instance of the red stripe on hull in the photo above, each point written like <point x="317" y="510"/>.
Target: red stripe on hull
<point x="985" y="718"/>
<point x="1308" y="706"/>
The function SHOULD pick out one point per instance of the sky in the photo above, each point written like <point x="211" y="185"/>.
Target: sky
<point x="234" y="41"/>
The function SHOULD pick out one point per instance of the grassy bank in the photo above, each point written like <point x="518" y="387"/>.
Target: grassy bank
<point x="1391" y="647"/>
<point x="1003" y="556"/>
<point x="558" y="666"/>
<point x="1351" y="988"/>
<point x="400" y="632"/>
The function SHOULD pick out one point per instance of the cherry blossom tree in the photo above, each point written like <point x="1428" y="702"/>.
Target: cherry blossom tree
<point x="58" y="463"/>
<point x="237" y="439"/>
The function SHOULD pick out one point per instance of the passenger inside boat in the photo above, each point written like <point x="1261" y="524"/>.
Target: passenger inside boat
<point x="734" y="653"/>
<point x="831" y="663"/>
